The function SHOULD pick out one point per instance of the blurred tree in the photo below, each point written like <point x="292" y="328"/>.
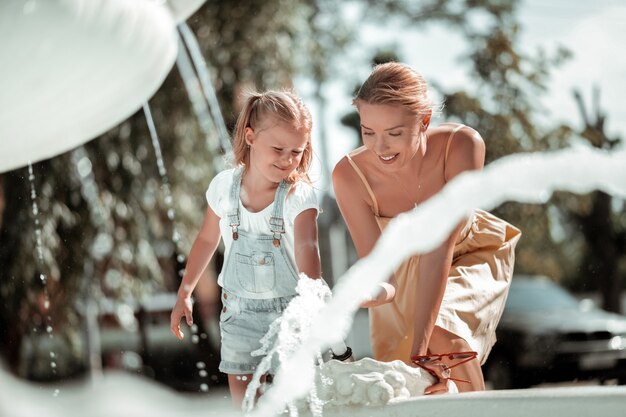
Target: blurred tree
<point x="601" y="219"/>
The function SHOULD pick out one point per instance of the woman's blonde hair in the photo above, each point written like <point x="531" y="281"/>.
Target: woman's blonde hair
<point x="396" y="84"/>
<point x="283" y="106"/>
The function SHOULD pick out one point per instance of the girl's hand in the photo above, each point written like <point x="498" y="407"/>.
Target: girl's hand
<point x="183" y="307"/>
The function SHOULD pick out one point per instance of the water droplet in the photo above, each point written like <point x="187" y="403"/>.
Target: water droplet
<point x="203" y="373"/>
<point x="194" y="328"/>
<point x="53" y="365"/>
<point x="204" y="387"/>
<point x="195" y="339"/>
<point x="46" y="304"/>
<point x="55" y="393"/>
<point x="84" y="167"/>
<point x="181" y="273"/>
<point x="180" y="258"/>
<point x="200" y="365"/>
<point x="170" y="214"/>
<point x="53" y="355"/>
<point x="214" y="377"/>
<point x="42" y="277"/>
<point x="168" y="200"/>
<point x="49" y="329"/>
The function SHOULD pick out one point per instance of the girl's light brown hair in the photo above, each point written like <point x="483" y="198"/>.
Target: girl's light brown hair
<point x="261" y="108"/>
<point x="396" y="84"/>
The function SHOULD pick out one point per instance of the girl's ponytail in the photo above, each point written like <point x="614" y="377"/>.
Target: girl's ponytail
<point x="240" y="147"/>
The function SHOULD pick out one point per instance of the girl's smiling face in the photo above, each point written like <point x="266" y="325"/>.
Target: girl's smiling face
<point x="276" y="150"/>
<point x="392" y="133"/>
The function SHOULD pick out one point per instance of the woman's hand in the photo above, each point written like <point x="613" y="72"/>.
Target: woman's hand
<point x="386" y="293"/>
<point x="442" y="373"/>
<point x="183" y="307"/>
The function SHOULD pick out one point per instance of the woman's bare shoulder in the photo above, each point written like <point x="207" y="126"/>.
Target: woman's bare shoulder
<point x="344" y="168"/>
<point x="465" y="132"/>
<point x="464" y="151"/>
<point x="346" y="179"/>
<point x="465" y="138"/>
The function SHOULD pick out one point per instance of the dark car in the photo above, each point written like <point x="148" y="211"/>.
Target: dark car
<point x="548" y="335"/>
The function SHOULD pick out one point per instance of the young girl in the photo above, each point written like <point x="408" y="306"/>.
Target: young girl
<point x="266" y="211"/>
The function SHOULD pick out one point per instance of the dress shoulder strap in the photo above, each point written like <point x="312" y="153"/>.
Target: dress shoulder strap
<point x="365" y="183"/>
<point x="445" y="157"/>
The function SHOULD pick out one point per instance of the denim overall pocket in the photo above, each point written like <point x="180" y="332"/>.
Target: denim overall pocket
<point x="260" y="266"/>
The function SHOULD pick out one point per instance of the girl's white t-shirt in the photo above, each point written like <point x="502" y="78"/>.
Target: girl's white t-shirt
<point x="300" y="198"/>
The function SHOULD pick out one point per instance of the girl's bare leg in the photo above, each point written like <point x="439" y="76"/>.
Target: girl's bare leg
<point x="443" y="341"/>
<point x="238" y="385"/>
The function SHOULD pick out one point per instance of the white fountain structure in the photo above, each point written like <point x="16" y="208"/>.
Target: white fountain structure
<point x="72" y="69"/>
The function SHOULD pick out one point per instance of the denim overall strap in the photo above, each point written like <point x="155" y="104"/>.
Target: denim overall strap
<point x="233" y="211"/>
<point x="277" y="223"/>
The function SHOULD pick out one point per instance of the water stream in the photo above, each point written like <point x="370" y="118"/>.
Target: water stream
<point x="171" y="214"/>
<point x="41" y="265"/>
<point x="204" y="76"/>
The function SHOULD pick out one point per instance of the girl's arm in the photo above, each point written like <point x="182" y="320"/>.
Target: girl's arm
<point x="200" y="255"/>
<point x="355" y="208"/>
<point x="467" y="152"/>
<point x="305" y="244"/>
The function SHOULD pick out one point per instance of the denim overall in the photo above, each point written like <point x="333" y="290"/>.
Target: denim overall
<point x="258" y="283"/>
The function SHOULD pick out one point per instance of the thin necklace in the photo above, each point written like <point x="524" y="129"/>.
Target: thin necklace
<point x="419" y="183"/>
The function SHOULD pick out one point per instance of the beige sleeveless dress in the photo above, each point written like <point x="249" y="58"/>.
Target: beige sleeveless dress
<point x="477" y="287"/>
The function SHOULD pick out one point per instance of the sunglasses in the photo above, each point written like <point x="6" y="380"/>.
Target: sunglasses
<point x="427" y="361"/>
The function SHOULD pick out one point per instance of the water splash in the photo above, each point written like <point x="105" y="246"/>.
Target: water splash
<point x="365" y="382"/>
<point x="40" y="262"/>
<point x="285" y="336"/>
<point x="526" y="178"/>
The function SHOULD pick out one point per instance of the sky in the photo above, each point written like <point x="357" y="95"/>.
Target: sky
<point x="594" y="32"/>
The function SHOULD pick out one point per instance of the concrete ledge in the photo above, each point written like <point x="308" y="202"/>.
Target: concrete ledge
<point x="540" y="402"/>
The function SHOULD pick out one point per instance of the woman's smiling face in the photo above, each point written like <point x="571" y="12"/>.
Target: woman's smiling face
<point x="391" y="132"/>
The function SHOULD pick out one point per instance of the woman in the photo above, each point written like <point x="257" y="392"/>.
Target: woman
<point x="448" y="300"/>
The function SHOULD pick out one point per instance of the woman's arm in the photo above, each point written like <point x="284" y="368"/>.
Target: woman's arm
<point x="305" y="244"/>
<point x="467" y="152"/>
<point x="200" y="255"/>
<point x="353" y="202"/>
